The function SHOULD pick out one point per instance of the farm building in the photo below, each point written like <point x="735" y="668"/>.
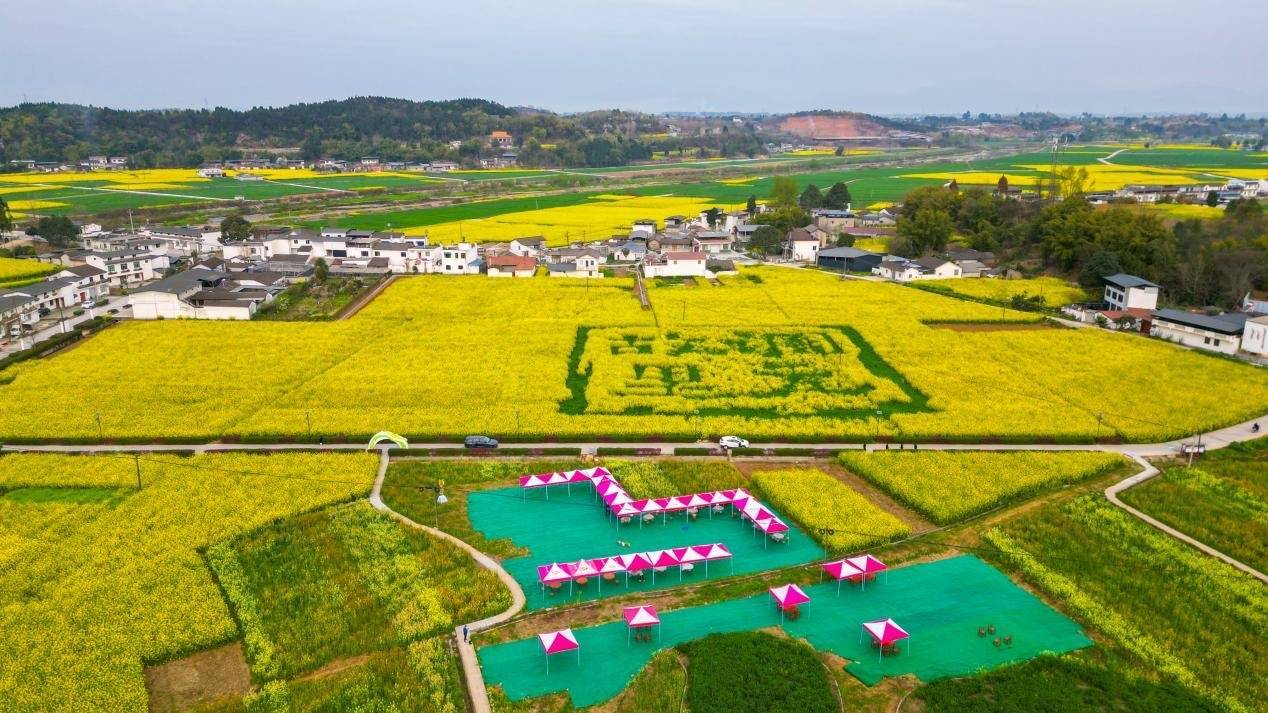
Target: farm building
<point x="1217" y="333"/>
<point x="848" y="259"/>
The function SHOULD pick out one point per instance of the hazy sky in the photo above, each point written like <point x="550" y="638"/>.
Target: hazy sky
<point x="885" y="56"/>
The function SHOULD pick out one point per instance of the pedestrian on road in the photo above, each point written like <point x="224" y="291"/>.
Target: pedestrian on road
<point x="1255" y="427"/>
<point x="465" y="632"/>
<point x="321" y="440"/>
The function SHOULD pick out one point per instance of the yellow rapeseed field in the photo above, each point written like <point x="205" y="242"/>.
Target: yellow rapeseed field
<point x="950" y="485"/>
<point x="96" y="582"/>
<point x="13" y="269"/>
<point x="1101" y="177"/>
<point x="601" y="217"/>
<point x="445" y="356"/>
<point x="1055" y="292"/>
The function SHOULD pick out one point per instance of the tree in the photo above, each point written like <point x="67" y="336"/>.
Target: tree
<point x="321" y="271"/>
<point x="751" y="207"/>
<point x="845" y="240"/>
<point x="810" y="198"/>
<point x="783" y="193"/>
<point x="310" y="150"/>
<point x="235" y="227"/>
<point x="783" y="219"/>
<point x="58" y="230"/>
<point x="767" y="240"/>
<point x="928" y="230"/>
<point x="839" y="151"/>
<point x="6" y="218"/>
<point x="1001" y="186"/>
<point x="1102" y="264"/>
<point x="837" y="197"/>
<point x="1212" y="198"/>
<point x="712" y="216"/>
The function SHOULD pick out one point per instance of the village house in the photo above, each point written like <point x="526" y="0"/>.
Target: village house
<point x="124" y="268"/>
<point x="712" y="242"/>
<point x="801" y="246"/>
<point x="1255" y="302"/>
<point x="670" y="242"/>
<point x="459" y="259"/>
<point x="734" y="219"/>
<point x="898" y="270"/>
<point x="1123" y="292"/>
<point x="835" y="221"/>
<point x="511" y="266"/>
<point x="1217" y="333"/>
<point x="90" y="282"/>
<point x="501" y="140"/>
<point x="646" y="226"/>
<point x="528" y="247"/>
<point x="1255" y="336"/>
<point x="584" y="263"/>
<point x="200" y="294"/>
<point x="185" y="240"/>
<point x="675" y="264"/>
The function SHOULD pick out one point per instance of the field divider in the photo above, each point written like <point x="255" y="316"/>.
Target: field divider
<point x="478" y="694"/>
<point x="1148" y="472"/>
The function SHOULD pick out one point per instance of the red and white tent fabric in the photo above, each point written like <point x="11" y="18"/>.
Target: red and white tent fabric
<point x="643" y="616"/>
<point x="788" y="596"/>
<point x="554" y="572"/>
<point x="840" y="571"/>
<point x="557" y="642"/>
<point x="884" y="632"/>
<point x="867" y="567"/>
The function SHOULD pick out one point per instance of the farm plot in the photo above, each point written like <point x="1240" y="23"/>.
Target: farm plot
<point x="519" y="346"/>
<point x="843" y="520"/>
<point x="1189" y="617"/>
<point x="94" y="587"/>
<point x="1053" y="291"/>
<point x="15" y="272"/>
<point x="949" y="485"/>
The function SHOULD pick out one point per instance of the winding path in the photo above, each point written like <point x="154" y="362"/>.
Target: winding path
<point x="1219" y="438"/>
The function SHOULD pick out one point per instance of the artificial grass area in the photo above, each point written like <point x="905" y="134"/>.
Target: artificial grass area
<point x="572" y="525"/>
<point x="942" y="604"/>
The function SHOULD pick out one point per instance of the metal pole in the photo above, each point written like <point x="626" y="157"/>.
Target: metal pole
<point x="101" y="434"/>
<point x="137" y="459"/>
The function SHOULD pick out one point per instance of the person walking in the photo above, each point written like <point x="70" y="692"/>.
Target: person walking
<point x="465" y="634"/>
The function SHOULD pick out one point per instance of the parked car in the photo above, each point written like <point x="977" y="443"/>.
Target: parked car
<point x="88" y="304"/>
<point x="479" y="442"/>
<point x="729" y="442"/>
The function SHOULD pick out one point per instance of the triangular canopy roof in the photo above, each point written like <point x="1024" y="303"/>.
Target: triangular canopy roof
<point x="644" y="615"/>
<point x="608" y="564"/>
<point x="885" y="631"/>
<point x="718" y="551"/>
<point x="868" y="564"/>
<point x="789" y="595"/>
<point x="841" y="569"/>
<point x="663" y="558"/>
<point x="635" y="562"/>
<point x="555" y="642"/>
<point x="583" y="568"/>
<point x="554" y="572"/>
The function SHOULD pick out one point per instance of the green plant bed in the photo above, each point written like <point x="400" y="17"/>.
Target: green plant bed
<point x="736" y="673"/>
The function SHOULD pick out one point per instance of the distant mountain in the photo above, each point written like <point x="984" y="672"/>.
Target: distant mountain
<point x="836" y="125"/>
<point x="70" y="132"/>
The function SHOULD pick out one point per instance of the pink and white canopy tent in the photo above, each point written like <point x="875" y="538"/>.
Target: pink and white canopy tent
<point x="885" y="632"/>
<point x="867" y="567"/>
<point x="553" y="573"/>
<point x="788" y="596"/>
<point x="557" y="642"/>
<point x="643" y="616"/>
<point x="840" y="571"/>
<point x="565" y="477"/>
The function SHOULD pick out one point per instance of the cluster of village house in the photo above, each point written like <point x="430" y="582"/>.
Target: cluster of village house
<point x="191" y="273"/>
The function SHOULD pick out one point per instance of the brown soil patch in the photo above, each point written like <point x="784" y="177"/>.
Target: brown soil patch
<point x="834" y="126"/>
<point x="336" y="666"/>
<point x="991" y="326"/>
<point x="201" y="678"/>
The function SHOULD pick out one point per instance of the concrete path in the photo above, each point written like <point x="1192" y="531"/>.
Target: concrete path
<point x="466" y="652"/>
<point x="1148" y="472"/>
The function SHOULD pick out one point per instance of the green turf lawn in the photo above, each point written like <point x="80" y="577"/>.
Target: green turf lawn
<point x="942" y="604"/>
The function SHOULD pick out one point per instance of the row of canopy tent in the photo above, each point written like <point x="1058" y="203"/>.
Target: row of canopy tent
<point x="856" y="569"/>
<point x="558" y="572"/>
<point x="642" y="616"/>
<point x="621" y="505"/>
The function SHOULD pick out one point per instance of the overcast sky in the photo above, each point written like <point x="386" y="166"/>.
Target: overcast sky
<point x="884" y="56"/>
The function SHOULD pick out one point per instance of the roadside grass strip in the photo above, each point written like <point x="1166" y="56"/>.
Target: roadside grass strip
<point x="941" y="604"/>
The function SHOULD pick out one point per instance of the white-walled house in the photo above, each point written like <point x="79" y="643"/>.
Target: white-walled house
<point x="528" y="247"/>
<point x="460" y="259"/>
<point x="1255" y="302"/>
<point x="802" y="246"/>
<point x="126" y="268"/>
<point x="675" y="264"/>
<point x="90" y="282"/>
<point x="199" y="294"/>
<point x="585" y="264"/>
<point x="712" y="242"/>
<point x="936" y="268"/>
<point x="1255" y="336"/>
<point x="1217" y="333"/>
<point x="186" y="241"/>
<point x="897" y="270"/>
<point x="1123" y="292"/>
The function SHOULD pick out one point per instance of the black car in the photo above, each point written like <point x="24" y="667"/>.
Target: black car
<point x="480" y="442"/>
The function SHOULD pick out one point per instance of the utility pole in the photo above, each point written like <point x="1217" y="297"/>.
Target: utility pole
<point x="101" y="434"/>
<point x="137" y="459"/>
<point x="308" y="421"/>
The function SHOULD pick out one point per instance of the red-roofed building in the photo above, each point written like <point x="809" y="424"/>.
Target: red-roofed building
<point x="511" y="266"/>
<point x="501" y="140"/>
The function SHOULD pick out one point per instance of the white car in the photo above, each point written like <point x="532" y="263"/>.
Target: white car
<point x="88" y="304"/>
<point x="729" y="442"/>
